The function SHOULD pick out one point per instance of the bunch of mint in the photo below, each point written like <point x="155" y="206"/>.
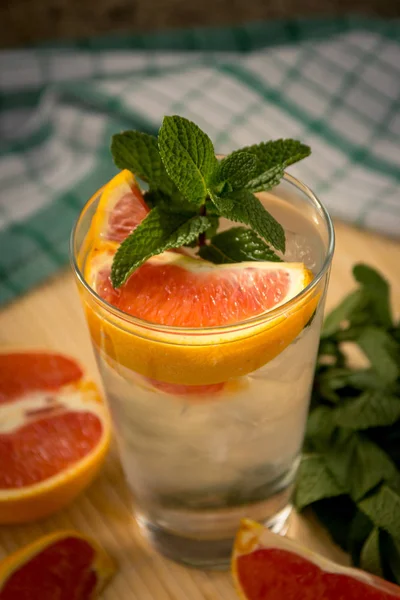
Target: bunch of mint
<point x="350" y="470"/>
<point x="189" y="189"/>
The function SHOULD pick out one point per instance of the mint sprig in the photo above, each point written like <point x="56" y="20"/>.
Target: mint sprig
<point x="189" y="190"/>
<point x="350" y="472"/>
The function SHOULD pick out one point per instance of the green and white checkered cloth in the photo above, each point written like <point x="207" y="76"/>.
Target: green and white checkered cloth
<point x="333" y="84"/>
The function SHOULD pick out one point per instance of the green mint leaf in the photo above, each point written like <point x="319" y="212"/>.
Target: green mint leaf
<point x="314" y="481"/>
<point x="388" y="438"/>
<point x="237" y="169"/>
<point x="390" y="553"/>
<point x="383" y="508"/>
<point x="358" y="465"/>
<point x="266" y="181"/>
<point x="343" y="312"/>
<point x="321" y="426"/>
<point x="382" y="352"/>
<point x="274" y="157"/>
<point x="364" y="379"/>
<point x="360" y="529"/>
<point x="188" y="156"/>
<point x="138" y="152"/>
<point x="370" y="409"/>
<point x="377" y="290"/>
<point x="158" y="232"/>
<point x="212" y="230"/>
<point x="370" y="558"/>
<point x="282" y="152"/>
<point x="243" y="207"/>
<point x="237" y="245"/>
<point x="211" y="209"/>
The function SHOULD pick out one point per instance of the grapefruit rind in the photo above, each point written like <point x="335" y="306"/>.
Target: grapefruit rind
<point x="102" y="564"/>
<point x="252" y="536"/>
<point x="36" y="501"/>
<point x="195" y="359"/>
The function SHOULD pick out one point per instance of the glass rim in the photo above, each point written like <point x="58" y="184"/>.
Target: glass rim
<point x="200" y="331"/>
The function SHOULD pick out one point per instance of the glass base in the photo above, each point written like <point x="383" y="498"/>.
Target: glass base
<point x="213" y="554"/>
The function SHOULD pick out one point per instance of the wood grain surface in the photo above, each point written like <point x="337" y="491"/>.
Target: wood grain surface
<point x="50" y="317"/>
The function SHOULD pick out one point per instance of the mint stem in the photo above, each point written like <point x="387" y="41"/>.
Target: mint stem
<point x="202" y="236"/>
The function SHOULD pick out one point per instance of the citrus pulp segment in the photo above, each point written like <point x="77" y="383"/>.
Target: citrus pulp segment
<point x="121" y="208"/>
<point x="65" y="565"/>
<point x="54" y="434"/>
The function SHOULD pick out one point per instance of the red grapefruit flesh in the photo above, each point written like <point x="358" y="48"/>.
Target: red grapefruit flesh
<point x="128" y="212"/>
<point x="29" y="372"/>
<point x="46" y="446"/>
<point x="120" y="209"/>
<point x="62" y="566"/>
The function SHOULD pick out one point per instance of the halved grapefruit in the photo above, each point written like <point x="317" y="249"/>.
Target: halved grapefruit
<point x="65" y="565"/>
<point x="54" y="433"/>
<point x="266" y="566"/>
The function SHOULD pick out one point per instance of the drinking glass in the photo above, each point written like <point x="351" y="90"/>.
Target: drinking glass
<point x="210" y="422"/>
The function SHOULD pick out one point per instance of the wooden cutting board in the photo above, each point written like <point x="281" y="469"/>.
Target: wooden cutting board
<point x="51" y="317"/>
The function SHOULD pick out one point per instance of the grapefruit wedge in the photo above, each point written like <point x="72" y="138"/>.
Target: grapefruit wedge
<point x="121" y="208"/>
<point x="266" y="566"/>
<point x="181" y="291"/>
<point x="65" y="565"/>
<point x="54" y="434"/>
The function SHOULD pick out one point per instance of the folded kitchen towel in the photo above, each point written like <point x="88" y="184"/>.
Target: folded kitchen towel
<point x="334" y="84"/>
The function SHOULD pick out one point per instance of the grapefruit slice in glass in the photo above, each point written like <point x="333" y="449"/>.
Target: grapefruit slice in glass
<point x="121" y="208"/>
<point x="266" y="566"/>
<point x="54" y="434"/>
<point x="181" y="291"/>
<point x="64" y="565"/>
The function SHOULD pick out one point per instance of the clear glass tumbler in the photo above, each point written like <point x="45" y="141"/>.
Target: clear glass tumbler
<point x="210" y="422"/>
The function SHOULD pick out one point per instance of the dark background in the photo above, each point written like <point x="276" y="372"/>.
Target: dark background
<point x="26" y="21"/>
